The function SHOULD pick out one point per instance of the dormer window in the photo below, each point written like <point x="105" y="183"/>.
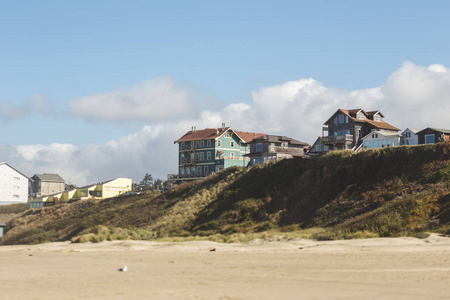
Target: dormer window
<point x="377" y="117"/>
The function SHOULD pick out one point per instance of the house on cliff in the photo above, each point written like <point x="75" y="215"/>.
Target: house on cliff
<point x="203" y="152"/>
<point x="274" y="147"/>
<point x="346" y="128"/>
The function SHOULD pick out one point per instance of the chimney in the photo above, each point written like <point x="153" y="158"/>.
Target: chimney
<point x="217" y="131"/>
<point x="223" y="126"/>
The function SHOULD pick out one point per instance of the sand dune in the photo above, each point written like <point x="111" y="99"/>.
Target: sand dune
<point x="400" y="268"/>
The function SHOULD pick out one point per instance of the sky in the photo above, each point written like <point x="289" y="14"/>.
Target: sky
<point x="95" y="90"/>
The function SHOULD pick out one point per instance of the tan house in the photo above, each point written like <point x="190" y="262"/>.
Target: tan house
<point x="47" y="184"/>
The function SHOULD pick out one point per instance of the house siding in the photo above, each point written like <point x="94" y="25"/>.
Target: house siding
<point x="437" y="135"/>
<point x="203" y="157"/>
<point x="14" y="186"/>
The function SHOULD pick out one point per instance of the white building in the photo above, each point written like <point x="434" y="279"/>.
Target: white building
<point x="14" y="185"/>
<point x="381" y="139"/>
<point x="409" y="137"/>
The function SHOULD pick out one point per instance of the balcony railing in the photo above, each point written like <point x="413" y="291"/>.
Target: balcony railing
<point x="337" y="138"/>
<point x="187" y="160"/>
<point x="287" y="150"/>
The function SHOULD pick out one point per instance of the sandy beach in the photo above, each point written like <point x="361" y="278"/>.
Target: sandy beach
<point x="399" y="268"/>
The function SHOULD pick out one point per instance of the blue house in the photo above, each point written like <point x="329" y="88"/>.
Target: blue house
<point x="203" y="152"/>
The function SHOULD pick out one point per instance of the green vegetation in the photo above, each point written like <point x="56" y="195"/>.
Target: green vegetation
<point x="385" y="192"/>
<point x="14" y="208"/>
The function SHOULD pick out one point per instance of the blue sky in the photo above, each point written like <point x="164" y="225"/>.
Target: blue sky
<point x="64" y="64"/>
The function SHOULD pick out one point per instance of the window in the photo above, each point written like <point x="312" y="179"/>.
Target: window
<point x="187" y="171"/>
<point x="16" y="196"/>
<point x="208" y="155"/>
<point x="272" y="147"/>
<point x="335" y="120"/>
<point x="228" y="134"/>
<point x="346" y="119"/>
<point x="232" y="144"/>
<point x="429" y="138"/>
<point x="208" y="143"/>
<point x="341" y="119"/>
<point x="202" y="156"/>
<point x="259" y="147"/>
<point x="231" y="154"/>
<point x="218" y="143"/>
<point x="16" y="187"/>
<point x="16" y="178"/>
<point x="205" y="170"/>
<point x="202" y="144"/>
<point x="199" y="171"/>
<point x="198" y="156"/>
<point x="319" y="147"/>
<point x="95" y="193"/>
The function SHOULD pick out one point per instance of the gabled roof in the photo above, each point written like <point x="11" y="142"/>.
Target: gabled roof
<point x="412" y="130"/>
<point x="370" y="114"/>
<point x="49" y="177"/>
<point x="447" y="131"/>
<point x="214" y="133"/>
<point x="383" y="133"/>
<point x="6" y="164"/>
<point x="377" y="124"/>
<point x="278" y="139"/>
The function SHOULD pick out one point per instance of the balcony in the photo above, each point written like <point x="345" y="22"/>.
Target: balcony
<point x="337" y="139"/>
<point x="186" y="147"/>
<point x="184" y="161"/>
<point x="287" y="150"/>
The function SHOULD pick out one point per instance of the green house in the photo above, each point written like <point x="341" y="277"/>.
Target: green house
<point x="203" y="152"/>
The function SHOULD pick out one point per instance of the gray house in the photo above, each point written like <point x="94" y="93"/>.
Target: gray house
<point x="274" y="147"/>
<point x="47" y="184"/>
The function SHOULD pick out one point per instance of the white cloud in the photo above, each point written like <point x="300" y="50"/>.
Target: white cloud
<point x="37" y="103"/>
<point x="416" y="96"/>
<point x="157" y="99"/>
<point x="413" y="96"/>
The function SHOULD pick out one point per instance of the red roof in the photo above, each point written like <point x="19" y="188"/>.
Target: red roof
<point x="213" y="133"/>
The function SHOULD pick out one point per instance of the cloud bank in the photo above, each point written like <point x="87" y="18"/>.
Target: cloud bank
<point x="413" y="96"/>
<point x="153" y="100"/>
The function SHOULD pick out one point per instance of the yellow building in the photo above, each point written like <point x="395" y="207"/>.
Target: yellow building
<point x="107" y="189"/>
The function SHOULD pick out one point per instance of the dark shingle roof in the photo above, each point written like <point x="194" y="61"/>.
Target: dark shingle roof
<point x="278" y="139"/>
<point x="49" y="177"/>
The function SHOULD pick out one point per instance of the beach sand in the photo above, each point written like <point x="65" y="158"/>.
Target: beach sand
<point x="382" y="268"/>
